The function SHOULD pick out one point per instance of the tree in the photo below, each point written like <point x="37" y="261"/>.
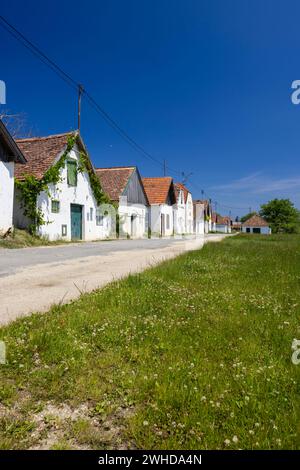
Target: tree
<point x="281" y="215"/>
<point x="247" y="216"/>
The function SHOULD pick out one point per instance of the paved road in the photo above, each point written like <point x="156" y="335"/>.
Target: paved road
<point x="34" y="279"/>
<point x="15" y="260"/>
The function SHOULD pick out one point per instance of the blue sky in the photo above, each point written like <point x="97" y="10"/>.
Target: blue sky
<point x="204" y="84"/>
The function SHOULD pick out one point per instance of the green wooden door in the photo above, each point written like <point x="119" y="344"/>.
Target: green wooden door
<point x="76" y="222"/>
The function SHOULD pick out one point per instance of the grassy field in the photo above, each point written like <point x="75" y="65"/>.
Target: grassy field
<point x="192" y="354"/>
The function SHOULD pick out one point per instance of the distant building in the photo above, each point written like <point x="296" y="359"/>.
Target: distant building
<point x="256" y="224"/>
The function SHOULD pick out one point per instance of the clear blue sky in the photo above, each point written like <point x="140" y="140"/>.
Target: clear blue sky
<point x="204" y="84"/>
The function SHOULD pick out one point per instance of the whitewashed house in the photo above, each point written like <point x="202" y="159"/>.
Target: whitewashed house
<point x="124" y="187"/>
<point x="161" y="196"/>
<point x="221" y="224"/>
<point x="68" y="207"/>
<point x="256" y="224"/>
<point x="199" y="217"/>
<point x="183" y="210"/>
<point x="9" y="155"/>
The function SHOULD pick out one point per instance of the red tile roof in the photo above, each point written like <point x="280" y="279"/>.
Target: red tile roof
<point x="178" y="187"/>
<point x="40" y="153"/>
<point x="114" y="180"/>
<point x="157" y="189"/>
<point x="256" y="221"/>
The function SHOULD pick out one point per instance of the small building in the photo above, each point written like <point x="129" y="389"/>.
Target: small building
<point x="124" y="187"/>
<point x="161" y="196"/>
<point x="69" y="206"/>
<point x="221" y="224"/>
<point x="183" y="210"/>
<point x="256" y="224"/>
<point x="9" y="155"/>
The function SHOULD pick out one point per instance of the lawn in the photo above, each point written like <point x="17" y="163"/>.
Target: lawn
<point x="192" y="354"/>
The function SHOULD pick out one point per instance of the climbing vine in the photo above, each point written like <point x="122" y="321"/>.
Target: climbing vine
<point x="30" y="187"/>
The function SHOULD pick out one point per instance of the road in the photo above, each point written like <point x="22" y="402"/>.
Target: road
<point x="34" y="279"/>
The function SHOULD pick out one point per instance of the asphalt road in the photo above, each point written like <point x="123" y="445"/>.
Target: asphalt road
<point x="12" y="260"/>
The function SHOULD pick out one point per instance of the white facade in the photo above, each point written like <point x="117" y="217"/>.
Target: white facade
<point x="133" y="220"/>
<point x="183" y="214"/>
<point x="180" y="214"/>
<point x="58" y="224"/>
<point x="223" y="228"/>
<point x="263" y="230"/>
<point x="6" y="195"/>
<point x="161" y="220"/>
<point x="189" y="222"/>
<point x="199" y="223"/>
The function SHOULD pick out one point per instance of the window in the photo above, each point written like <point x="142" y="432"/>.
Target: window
<point x="91" y="214"/>
<point x="256" y="229"/>
<point x="168" y="221"/>
<point x="55" y="206"/>
<point x="248" y="230"/>
<point x="63" y="230"/>
<point x="72" y="172"/>
<point x="99" y="218"/>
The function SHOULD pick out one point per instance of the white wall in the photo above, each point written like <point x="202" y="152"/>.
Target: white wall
<point x="199" y="224"/>
<point x="179" y="215"/>
<point x="189" y="222"/>
<point x="263" y="230"/>
<point x="222" y="228"/>
<point x="139" y="227"/>
<point x="6" y="195"/>
<point x="156" y="210"/>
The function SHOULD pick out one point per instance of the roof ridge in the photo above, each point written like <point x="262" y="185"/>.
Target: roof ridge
<point x="116" y="168"/>
<point x="52" y="136"/>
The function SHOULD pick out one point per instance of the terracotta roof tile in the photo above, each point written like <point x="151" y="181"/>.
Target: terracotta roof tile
<point x="157" y="189"/>
<point x="114" y="180"/>
<point x="40" y="153"/>
<point x="256" y="221"/>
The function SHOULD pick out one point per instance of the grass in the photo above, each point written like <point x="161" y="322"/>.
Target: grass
<point x="23" y="239"/>
<point x="192" y="354"/>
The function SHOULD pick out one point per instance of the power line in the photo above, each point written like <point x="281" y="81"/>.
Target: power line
<point x="12" y="30"/>
<point x="74" y="84"/>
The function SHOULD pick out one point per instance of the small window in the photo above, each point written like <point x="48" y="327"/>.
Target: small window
<point x="99" y="218"/>
<point x="72" y="172"/>
<point x="55" y="206"/>
<point x="248" y="230"/>
<point x="63" y="230"/>
<point x="91" y="214"/>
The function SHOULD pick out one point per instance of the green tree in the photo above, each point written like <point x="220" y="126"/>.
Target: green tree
<point x="281" y="215"/>
<point x="247" y="216"/>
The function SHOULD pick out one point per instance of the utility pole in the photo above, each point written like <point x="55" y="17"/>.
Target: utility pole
<point x="80" y="91"/>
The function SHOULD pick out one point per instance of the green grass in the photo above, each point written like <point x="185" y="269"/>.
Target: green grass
<point x="23" y="239"/>
<point x="192" y="354"/>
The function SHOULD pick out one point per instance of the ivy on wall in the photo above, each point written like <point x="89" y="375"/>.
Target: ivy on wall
<point x="30" y="187"/>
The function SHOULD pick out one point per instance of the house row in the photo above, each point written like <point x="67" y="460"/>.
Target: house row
<point x="59" y="194"/>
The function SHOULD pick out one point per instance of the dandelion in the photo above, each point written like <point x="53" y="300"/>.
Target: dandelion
<point x="251" y="432"/>
<point x="203" y="398"/>
<point x="145" y="423"/>
<point x="235" y="439"/>
<point x="227" y="442"/>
